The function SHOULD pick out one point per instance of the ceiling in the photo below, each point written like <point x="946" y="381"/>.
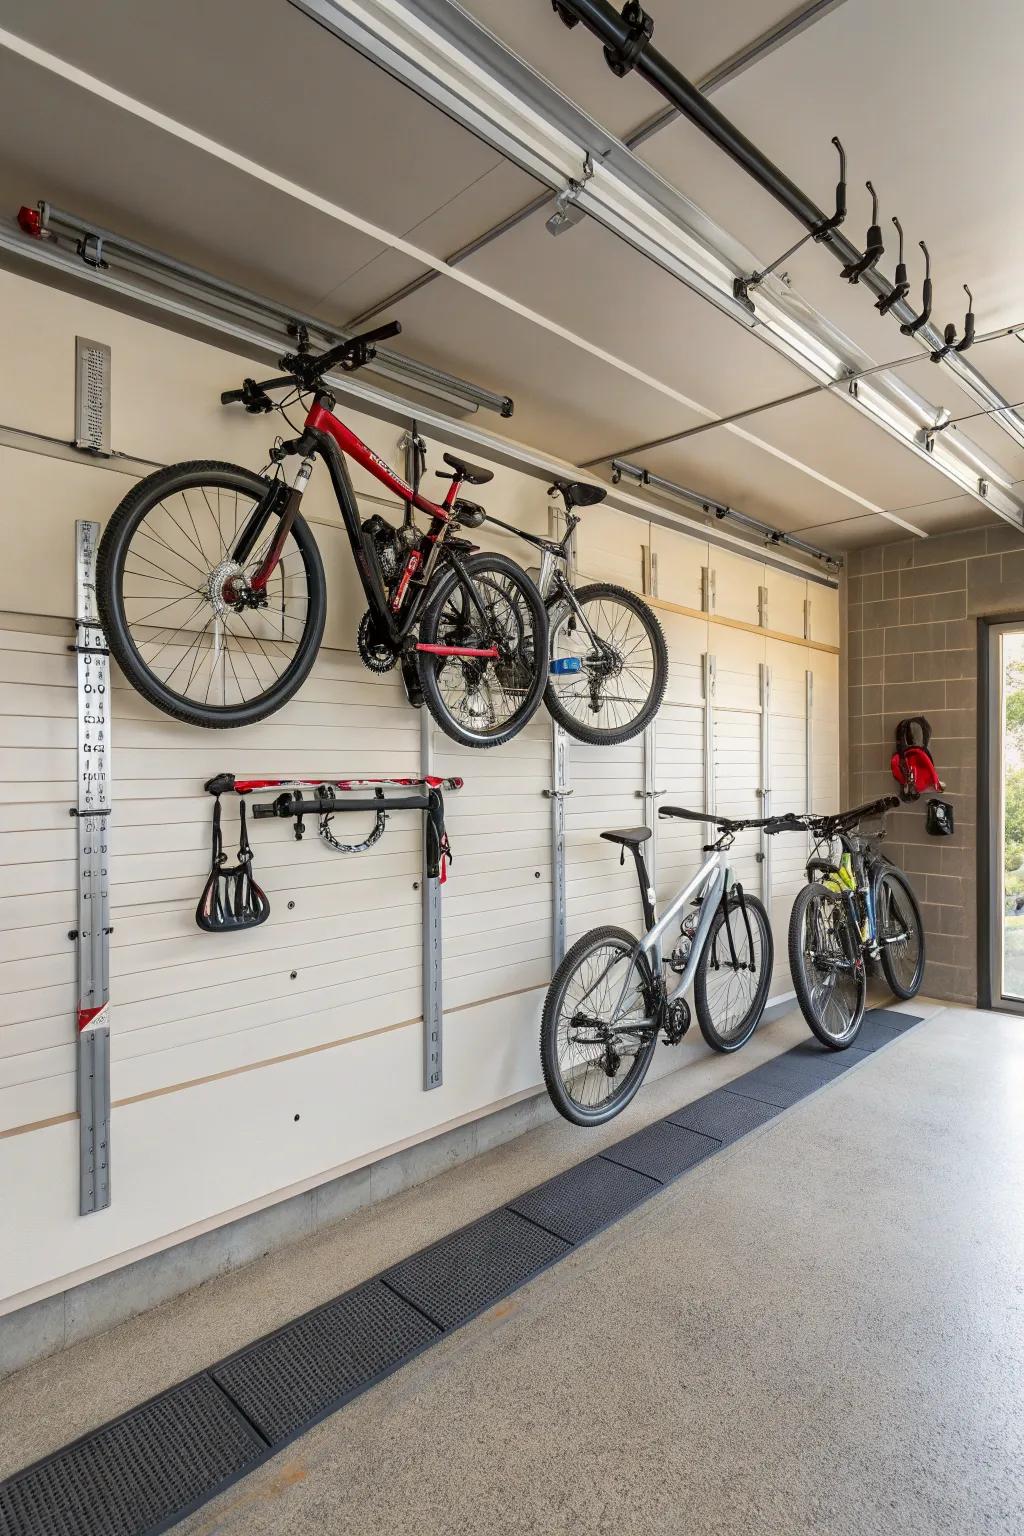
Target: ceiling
<point x="646" y="358"/>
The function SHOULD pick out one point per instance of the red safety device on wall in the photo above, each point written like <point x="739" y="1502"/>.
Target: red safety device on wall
<point x="913" y="766"/>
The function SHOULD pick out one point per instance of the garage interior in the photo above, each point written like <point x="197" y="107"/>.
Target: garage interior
<point x="296" y="1236"/>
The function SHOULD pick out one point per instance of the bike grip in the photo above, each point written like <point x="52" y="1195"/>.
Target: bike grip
<point x="229" y="396"/>
<point x="380" y="333"/>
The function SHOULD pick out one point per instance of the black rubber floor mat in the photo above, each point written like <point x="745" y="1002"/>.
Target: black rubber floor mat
<point x="470" y="1270"/>
<point x="796" y="1073"/>
<point x="889" y="1019"/>
<point x="663" y="1150"/>
<point x="579" y="1202"/>
<point x="724" y="1115"/>
<point x="287" y="1381"/>
<point x="138" y="1474"/>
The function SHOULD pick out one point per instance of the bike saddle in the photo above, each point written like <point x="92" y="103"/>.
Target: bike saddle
<point x="471" y="472"/>
<point x="577" y="494"/>
<point x="629" y="837"/>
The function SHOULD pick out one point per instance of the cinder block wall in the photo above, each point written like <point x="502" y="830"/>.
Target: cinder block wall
<point x="913" y="608"/>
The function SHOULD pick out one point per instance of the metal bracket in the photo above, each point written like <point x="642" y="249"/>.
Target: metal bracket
<point x="707" y="589"/>
<point x="92" y="936"/>
<point x="710" y="683"/>
<point x="765" y="855"/>
<point x="742" y="285"/>
<point x="568" y="212"/>
<point x="762" y="607"/>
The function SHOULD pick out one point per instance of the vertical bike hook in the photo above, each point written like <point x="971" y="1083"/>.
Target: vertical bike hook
<point x="901" y="287"/>
<point x="911" y="327"/>
<point x="854" y="270"/>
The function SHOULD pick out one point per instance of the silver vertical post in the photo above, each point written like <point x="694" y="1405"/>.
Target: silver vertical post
<point x="432" y="948"/>
<point x="709" y="732"/>
<point x="766" y="793"/>
<point x="557" y="794"/>
<point x="92" y="936"/>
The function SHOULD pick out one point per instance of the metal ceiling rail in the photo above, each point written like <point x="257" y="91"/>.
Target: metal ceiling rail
<point x="714" y="80"/>
<point x="102" y="248"/>
<point x="252" y="340"/>
<point x="447" y="56"/>
<point x="616" y="34"/>
<point x="719" y="510"/>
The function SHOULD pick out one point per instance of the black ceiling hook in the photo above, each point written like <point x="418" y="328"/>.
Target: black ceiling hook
<point x="901" y="287"/>
<point x="968" y="336"/>
<point x="911" y="327"/>
<point x="854" y="270"/>
<point x="741" y="285"/>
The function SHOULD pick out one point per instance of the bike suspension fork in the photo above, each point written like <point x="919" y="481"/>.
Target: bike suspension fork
<point x="269" y="563"/>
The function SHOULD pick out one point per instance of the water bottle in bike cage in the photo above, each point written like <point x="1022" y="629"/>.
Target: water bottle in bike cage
<point x="681" y="954"/>
<point x="561" y="666"/>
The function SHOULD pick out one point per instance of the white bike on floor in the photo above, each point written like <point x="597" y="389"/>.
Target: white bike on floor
<point x="613" y="994"/>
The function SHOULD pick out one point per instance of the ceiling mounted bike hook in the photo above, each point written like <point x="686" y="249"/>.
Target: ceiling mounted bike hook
<point x="875" y="247"/>
<point x="967" y="340"/>
<point x="911" y="327"/>
<point x="741" y="285"/>
<point x="901" y="287"/>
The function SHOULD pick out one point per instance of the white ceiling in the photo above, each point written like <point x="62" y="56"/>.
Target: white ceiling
<point x="940" y="139"/>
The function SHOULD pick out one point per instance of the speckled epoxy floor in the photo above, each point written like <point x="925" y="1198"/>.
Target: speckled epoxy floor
<point x="819" y="1330"/>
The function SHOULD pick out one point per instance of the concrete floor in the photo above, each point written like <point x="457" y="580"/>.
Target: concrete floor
<point x="819" y="1330"/>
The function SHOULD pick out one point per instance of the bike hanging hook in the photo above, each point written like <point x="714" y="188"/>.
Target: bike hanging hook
<point x="875" y="247"/>
<point x="911" y="327"/>
<point x="949" y="341"/>
<point x="741" y="285"/>
<point x="901" y="286"/>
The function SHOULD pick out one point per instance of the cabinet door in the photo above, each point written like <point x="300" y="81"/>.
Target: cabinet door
<point x="610" y="547"/>
<point x="679" y="564"/>
<point x="822" y="614"/>
<point x="785" y="598"/>
<point x="737" y="585"/>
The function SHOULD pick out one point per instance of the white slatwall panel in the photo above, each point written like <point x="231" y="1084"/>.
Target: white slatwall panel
<point x="189" y="1003"/>
<point x="497" y="903"/>
<point x="604" y="782"/>
<point x="787" y="779"/>
<point x="680" y="773"/>
<point x="825" y="731"/>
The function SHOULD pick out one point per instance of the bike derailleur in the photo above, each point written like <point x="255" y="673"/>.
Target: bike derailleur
<point x="375" y="650"/>
<point x="677" y="1021"/>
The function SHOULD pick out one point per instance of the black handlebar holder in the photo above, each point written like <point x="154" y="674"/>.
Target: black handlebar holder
<point x="874" y="246"/>
<point x="742" y="285"/>
<point x="911" y="327"/>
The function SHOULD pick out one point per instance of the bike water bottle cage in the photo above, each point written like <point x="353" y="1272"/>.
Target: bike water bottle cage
<point x="231" y="898"/>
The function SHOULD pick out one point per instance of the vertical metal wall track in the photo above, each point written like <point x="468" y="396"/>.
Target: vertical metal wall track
<point x="709" y="731"/>
<point x="766" y="773"/>
<point x="92" y="936"/>
<point x="557" y="794"/>
<point x="433" y="1003"/>
<point x="809" y="745"/>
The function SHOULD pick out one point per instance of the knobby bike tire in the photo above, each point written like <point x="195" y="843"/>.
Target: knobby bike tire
<point x="110" y="563"/>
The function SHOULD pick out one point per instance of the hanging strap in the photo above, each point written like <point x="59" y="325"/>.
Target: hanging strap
<point x="438" y="849"/>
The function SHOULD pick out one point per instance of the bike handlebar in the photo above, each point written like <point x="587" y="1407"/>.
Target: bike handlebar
<point x="306" y="369"/>
<point x="726" y="823"/>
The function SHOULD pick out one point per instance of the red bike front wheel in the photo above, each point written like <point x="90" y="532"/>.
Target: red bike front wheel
<point x="172" y="600"/>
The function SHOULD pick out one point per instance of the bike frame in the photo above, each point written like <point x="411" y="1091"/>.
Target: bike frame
<point x="710" y="882"/>
<point x="325" y="434"/>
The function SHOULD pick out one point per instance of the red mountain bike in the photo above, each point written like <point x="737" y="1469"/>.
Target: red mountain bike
<point x="212" y="595"/>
